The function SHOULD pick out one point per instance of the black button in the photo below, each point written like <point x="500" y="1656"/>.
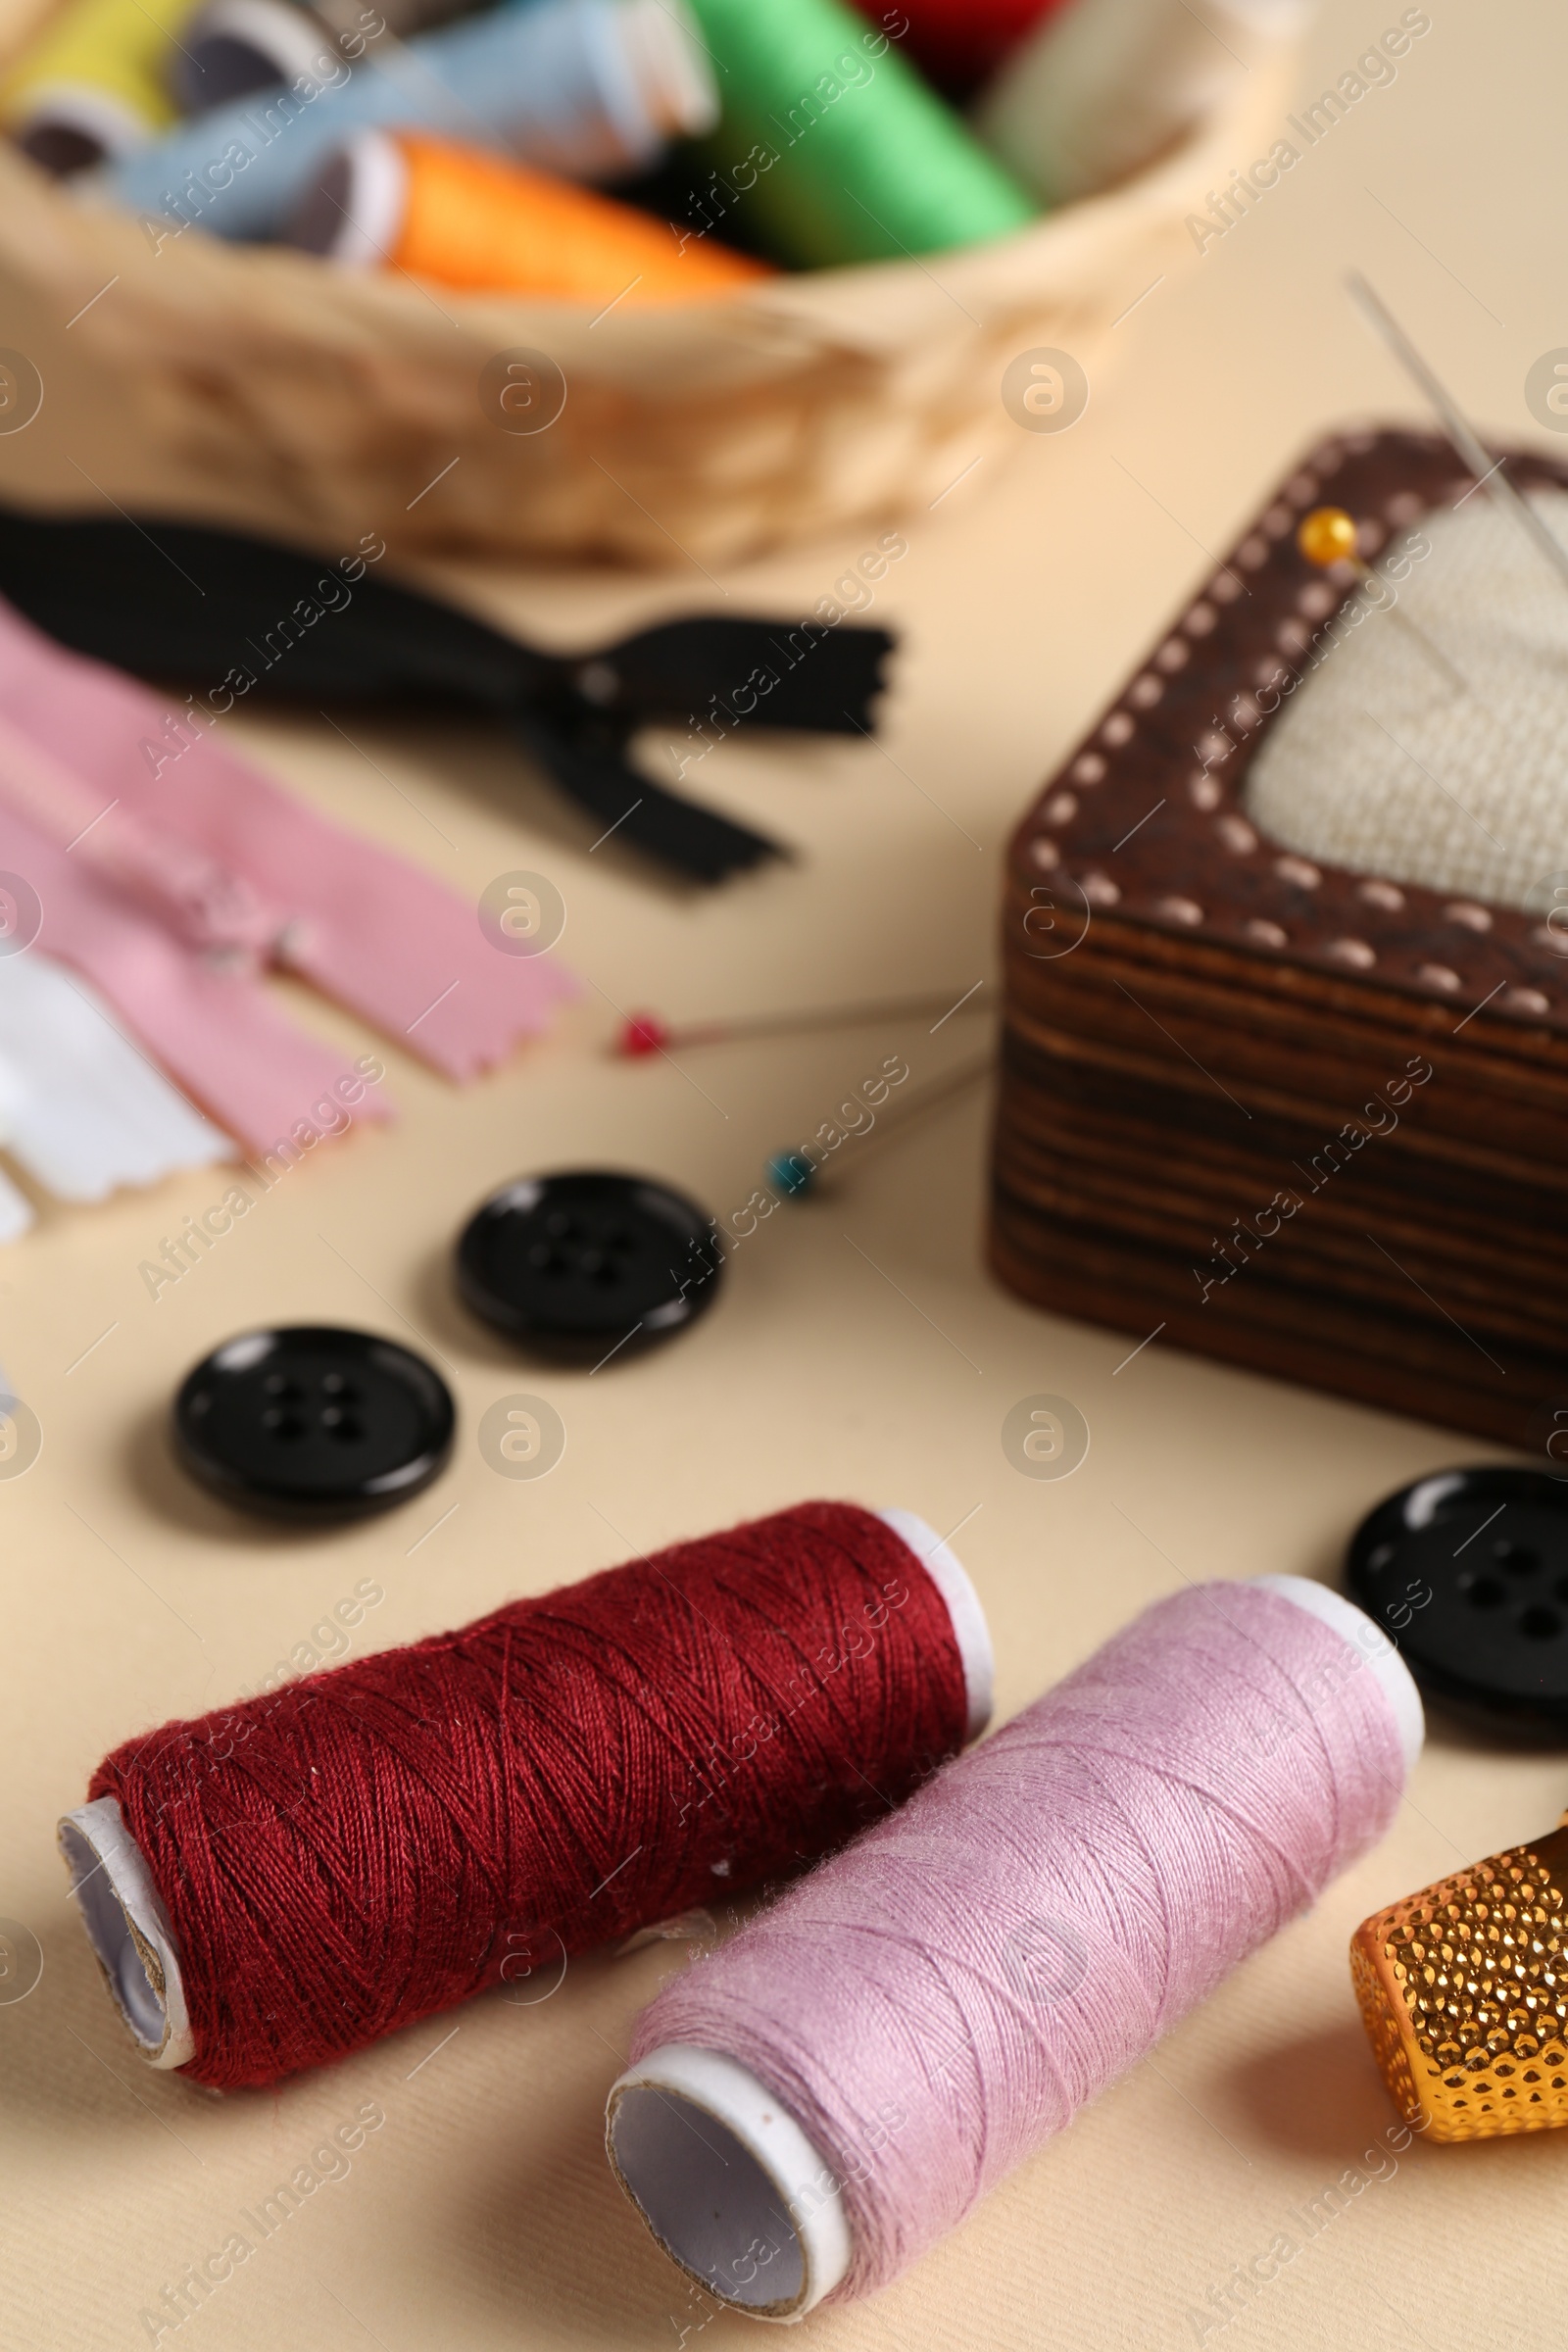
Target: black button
<point x="589" y="1264"/>
<point x="313" y="1423"/>
<point x="1468" y="1572"/>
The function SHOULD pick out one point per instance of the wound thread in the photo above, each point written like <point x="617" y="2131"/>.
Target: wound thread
<point x="379" y="1841"/>
<point x="464" y="217"/>
<point x="838" y="150"/>
<point x="936" y="2003"/>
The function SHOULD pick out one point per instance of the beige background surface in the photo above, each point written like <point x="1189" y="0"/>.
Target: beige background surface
<point x="482" y="2215"/>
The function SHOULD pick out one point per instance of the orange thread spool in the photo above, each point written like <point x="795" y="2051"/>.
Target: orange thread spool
<point x="464" y="217"/>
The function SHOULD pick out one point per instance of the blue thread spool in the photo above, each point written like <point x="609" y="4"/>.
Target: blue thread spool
<point x="590" y="88"/>
<point x="232" y="47"/>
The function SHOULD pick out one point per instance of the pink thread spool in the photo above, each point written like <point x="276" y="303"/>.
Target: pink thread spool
<point x="811" y="2107"/>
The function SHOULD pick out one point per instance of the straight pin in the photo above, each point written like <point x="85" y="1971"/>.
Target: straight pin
<point x="646" y="1033"/>
<point x="1466" y="441"/>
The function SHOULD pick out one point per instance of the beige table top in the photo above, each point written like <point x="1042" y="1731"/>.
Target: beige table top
<point x="860" y="1350"/>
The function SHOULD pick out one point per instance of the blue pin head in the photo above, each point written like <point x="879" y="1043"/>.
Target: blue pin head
<point x="790" y="1174"/>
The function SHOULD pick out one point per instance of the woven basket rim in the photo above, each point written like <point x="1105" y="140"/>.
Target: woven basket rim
<point x="812" y="304"/>
<point x="701" y="432"/>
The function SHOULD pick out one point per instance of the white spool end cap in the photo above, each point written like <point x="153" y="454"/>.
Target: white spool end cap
<point x="354" y="210"/>
<point x="672" y="65"/>
<point x="129" y="1928"/>
<point x="1275" y="20"/>
<point x="970" y="1629"/>
<point x="1373" y="1648"/>
<point x="234" y="47"/>
<point x="727" y="2181"/>
<point x="96" y="117"/>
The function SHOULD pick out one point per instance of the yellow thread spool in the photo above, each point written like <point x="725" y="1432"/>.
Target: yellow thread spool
<point x="95" y="83"/>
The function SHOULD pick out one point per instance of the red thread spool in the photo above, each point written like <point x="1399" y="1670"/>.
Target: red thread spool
<point x="960" y="43"/>
<point x="310" y="1870"/>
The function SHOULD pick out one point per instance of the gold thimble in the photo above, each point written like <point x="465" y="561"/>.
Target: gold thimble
<point x="1464" y="1994"/>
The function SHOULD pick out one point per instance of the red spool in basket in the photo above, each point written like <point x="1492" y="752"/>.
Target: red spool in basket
<point x="960" y="43"/>
<point x="275" y="1885"/>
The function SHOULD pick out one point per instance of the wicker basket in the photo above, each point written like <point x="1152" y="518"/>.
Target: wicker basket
<point x="709" y="432"/>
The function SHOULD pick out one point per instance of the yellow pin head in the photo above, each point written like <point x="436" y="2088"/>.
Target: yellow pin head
<point x="1328" y="535"/>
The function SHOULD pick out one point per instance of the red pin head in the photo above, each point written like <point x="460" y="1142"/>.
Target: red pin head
<point x="645" y="1033"/>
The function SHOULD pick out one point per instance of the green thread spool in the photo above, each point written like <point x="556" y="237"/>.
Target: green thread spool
<point x="834" y="145"/>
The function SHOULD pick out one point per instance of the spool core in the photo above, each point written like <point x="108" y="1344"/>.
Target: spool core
<point x="68" y="126"/>
<point x="354" y="210"/>
<point x="718" y="2167"/>
<point x="129" y="1928"/>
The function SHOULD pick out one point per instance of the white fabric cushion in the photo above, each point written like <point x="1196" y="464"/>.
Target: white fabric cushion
<point x="1378" y="762"/>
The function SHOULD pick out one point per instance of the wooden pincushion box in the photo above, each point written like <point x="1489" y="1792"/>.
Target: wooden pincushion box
<point x="1305" y="1118"/>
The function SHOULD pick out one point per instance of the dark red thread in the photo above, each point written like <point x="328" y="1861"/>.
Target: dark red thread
<point x="386" y="1838"/>
<point x="960" y="43"/>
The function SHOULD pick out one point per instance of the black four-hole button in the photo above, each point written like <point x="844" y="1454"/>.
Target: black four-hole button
<point x="314" y="1422"/>
<point x="589" y="1266"/>
<point x="1468" y="1571"/>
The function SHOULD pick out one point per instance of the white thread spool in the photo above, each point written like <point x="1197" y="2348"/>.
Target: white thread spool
<point x="1107" y="87"/>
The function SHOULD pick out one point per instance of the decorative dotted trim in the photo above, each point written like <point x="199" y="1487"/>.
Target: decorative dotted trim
<point x="1210" y="787"/>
